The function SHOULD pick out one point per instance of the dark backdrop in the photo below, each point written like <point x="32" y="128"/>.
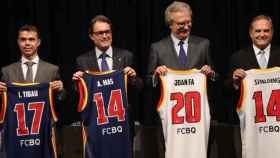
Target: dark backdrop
<point x="136" y="24"/>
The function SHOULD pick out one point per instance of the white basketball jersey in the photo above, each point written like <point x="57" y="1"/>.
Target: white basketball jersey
<point x="259" y="113"/>
<point x="184" y="112"/>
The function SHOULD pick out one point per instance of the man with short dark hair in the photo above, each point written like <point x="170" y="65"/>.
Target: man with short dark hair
<point x="29" y="42"/>
<point x="100" y="33"/>
<point x="31" y="69"/>
<point x="105" y="57"/>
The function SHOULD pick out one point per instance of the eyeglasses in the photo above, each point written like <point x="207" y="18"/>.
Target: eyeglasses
<point x="102" y="33"/>
<point x="183" y="24"/>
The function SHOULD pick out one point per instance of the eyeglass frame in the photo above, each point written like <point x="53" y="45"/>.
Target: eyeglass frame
<point x="101" y="33"/>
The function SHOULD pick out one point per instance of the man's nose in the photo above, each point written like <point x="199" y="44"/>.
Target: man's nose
<point x="27" y="42"/>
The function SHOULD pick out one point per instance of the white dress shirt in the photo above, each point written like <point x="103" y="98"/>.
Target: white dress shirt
<point x="176" y="44"/>
<point x="34" y="66"/>
<point x="109" y="58"/>
<point x="266" y="53"/>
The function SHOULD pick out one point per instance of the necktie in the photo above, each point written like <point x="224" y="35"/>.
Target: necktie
<point x="29" y="73"/>
<point x="104" y="64"/>
<point x="182" y="53"/>
<point x="262" y="60"/>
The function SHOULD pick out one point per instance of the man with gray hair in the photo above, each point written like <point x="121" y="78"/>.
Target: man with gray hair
<point x="168" y="51"/>
<point x="180" y="51"/>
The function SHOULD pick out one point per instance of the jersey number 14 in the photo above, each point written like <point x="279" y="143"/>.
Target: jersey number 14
<point x="272" y="108"/>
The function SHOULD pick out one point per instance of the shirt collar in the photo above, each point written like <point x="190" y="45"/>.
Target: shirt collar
<point x="34" y="60"/>
<point x="109" y="52"/>
<point x="257" y="50"/>
<point x="176" y="40"/>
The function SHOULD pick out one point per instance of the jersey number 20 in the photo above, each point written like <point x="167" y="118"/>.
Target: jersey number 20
<point x="192" y="104"/>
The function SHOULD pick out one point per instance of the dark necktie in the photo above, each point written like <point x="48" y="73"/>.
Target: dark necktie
<point x="182" y="53"/>
<point x="29" y="73"/>
<point x="262" y="60"/>
<point x="104" y="64"/>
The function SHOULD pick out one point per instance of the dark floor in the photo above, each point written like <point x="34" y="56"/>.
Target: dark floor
<point x="224" y="142"/>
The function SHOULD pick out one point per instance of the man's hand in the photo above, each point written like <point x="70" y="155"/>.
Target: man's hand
<point x="207" y="70"/>
<point x="160" y="70"/>
<point x="129" y="71"/>
<point x="57" y="85"/>
<point x="238" y="75"/>
<point x="77" y="75"/>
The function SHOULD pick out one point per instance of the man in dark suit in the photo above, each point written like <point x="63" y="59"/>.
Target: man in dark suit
<point x="180" y="51"/>
<point x="42" y="72"/>
<point x="261" y="33"/>
<point x="100" y="33"/>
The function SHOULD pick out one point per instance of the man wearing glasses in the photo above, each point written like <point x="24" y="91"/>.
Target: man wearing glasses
<point x="181" y="51"/>
<point x="104" y="57"/>
<point x="168" y="51"/>
<point x="100" y="34"/>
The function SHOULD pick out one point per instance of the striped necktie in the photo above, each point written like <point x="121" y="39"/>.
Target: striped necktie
<point x="104" y="64"/>
<point x="262" y="60"/>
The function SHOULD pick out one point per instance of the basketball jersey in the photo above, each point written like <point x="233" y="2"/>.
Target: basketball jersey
<point x="259" y="113"/>
<point x="104" y="111"/>
<point x="184" y="112"/>
<point x="26" y="119"/>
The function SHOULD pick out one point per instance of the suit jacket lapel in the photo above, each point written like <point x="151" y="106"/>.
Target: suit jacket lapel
<point x="190" y="53"/>
<point x="40" y="71"/>
<point x="19" y="72"/>
<point x="92" y="61"/>
<point x="174" y="58"/>
<point x="93" y="57"/>
<point x="272" y="57"/>
<point x="117" y="59"/>
<point x="252" y="58"/>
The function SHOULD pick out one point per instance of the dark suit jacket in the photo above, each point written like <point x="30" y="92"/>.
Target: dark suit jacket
<point x="121" y="59"/>
<point x="246" y="59"/>
<point x="88" y="60"/>
<point x="164" y="53"/>
<point x="46" y="72"/>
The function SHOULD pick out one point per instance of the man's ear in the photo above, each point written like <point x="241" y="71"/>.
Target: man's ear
<point x="39" y="42"/>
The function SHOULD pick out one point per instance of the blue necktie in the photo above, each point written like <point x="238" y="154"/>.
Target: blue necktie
<point x="104" y="64"/>
<point x="182" y="53"/>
